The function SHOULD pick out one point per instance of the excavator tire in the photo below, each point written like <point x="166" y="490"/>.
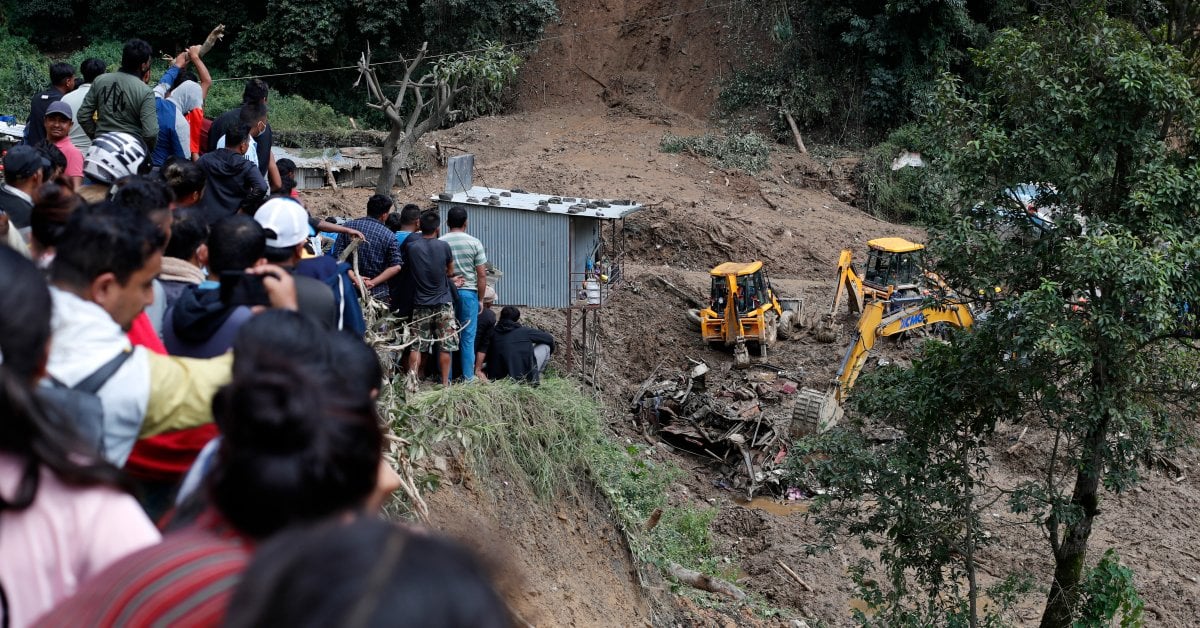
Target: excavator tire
<point x="693" y="317"/>
<point x="787" y="322"/>
<point x="814" y="412"/>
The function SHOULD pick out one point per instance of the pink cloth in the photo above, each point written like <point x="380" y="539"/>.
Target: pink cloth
<point x="66" y="535"/>
<point x="74" y="157"/>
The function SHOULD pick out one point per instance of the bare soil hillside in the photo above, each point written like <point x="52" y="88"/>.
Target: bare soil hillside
<point x="577" y="571"/>
<point x="593" y="105"/>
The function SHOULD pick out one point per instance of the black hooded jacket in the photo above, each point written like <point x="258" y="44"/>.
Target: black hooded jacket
<point x="511" y="351"/>
<point x="233" y="182"/>
<point x="199" y="325"/>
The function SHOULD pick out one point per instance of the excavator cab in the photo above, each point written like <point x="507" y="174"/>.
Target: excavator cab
<point x="742" y="309"/>
<point x="893" y="262"/>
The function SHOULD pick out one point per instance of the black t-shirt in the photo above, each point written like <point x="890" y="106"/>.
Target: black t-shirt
<point x="35" y="128"/>
<point x="19" y="210"/>
<point x="427" y="259"/>
<point x="487" y="326"/>
<point x="220" y="127"/>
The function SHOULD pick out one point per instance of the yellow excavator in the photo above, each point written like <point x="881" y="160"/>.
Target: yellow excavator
<point x="743" y="309"/>
<point x="816" y="411"/>
<point x="893" y="274"/>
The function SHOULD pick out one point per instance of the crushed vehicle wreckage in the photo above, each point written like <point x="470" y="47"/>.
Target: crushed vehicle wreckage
<point x="745" y="424"/>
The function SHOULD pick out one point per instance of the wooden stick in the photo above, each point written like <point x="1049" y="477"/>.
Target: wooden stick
<point x="704" y="582"/>
<point x="1017" y="445"/>
<point x="794" y="575"/>
<point x="795" y="131"/>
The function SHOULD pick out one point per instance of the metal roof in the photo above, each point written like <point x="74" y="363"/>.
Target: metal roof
<point x="735" y="268"/>
<point x="895" y="245"/>
<point x="608" y="209"/>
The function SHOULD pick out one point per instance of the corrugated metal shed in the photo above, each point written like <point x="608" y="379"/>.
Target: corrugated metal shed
<point x="538" y="250"/>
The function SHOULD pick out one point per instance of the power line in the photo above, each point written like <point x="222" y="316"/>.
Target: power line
<point x="541" y="40"/>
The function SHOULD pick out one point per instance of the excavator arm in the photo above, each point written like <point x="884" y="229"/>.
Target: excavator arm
<point x="848" y="281"/>
<point x="873" y="325"/>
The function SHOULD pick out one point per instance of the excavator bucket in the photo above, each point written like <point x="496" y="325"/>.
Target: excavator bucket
<point x="826" y="329"/>
<point x="815" y="411"/>
<point x="741" y="355"/>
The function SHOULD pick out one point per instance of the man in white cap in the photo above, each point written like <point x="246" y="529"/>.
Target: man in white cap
<point x="286" y="224"/>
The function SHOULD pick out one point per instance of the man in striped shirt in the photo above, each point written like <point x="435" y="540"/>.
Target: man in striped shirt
<point x="470" y="264"/>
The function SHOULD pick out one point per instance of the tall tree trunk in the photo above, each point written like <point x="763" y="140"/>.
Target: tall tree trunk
<point x="391" y="162"/>
<point x="1071" y="553"/>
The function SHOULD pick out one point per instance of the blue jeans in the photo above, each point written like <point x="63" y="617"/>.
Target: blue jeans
<point x="466" y="308"/>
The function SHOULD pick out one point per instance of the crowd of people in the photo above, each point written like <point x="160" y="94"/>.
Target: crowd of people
<point x="188" y="404"/>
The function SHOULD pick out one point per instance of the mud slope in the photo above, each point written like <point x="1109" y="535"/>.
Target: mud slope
<point x="698" y="216"/>
<point x="622" y="53"/>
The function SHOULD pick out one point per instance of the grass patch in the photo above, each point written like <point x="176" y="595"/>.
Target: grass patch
<point x="748" y="152"/>
<point x="541" y="435"/>
<point x="288" y="112"/>
<point x="548" y="437"/>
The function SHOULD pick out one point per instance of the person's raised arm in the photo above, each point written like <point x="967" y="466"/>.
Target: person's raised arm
<point x="201" y="72"/>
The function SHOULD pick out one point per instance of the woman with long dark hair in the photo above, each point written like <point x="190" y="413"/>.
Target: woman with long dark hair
<point x="64" y="512"/>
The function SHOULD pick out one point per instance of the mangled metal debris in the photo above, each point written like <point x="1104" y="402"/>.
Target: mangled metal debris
<point x="745" y="424"/>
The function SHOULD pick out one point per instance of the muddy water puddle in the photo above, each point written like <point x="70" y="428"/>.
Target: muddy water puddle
<point x="775" y="507"/>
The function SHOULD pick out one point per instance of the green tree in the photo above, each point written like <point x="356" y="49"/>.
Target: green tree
<point x="423" y="102"/>
<point x="1090" y="334"/>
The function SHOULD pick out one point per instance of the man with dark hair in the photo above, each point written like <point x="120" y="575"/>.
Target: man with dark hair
<point x="401" y="286"/>
<point x="256" y="92"/>
<point x="23" y="167"/>
<point x="122" y="101"/>
<point x="432" y="267"/>
<point x="186" y="254"/>
<point x="470" y="265"/>
<point x="62" y="81"/>
<point x="518" y="352"/>
<point x="199" y="324"/>
<point x="286" y="224"/>
<point x="91" y="69"/>
<point x="254" y="116"/>
<point x="233" y="182"/>
<point x="379" y="253"/>
<point x="405" y="224"/>
<point x="296" y="449"/>
<point x="101" y="279"/>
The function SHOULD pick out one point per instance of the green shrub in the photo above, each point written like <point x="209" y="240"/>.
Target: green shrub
<point x="906" y="195"/>
<point x="288" y="112"/>
<point x="23" y="73"/>
<point x="748" y="152"/>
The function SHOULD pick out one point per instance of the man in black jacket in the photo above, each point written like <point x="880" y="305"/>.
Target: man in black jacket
<point x="62" y="81"/>
<point x="518" y="352"/>
<point x="233" y="182"/>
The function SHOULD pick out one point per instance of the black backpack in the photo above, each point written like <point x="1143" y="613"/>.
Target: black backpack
<point x="79" y="407"/>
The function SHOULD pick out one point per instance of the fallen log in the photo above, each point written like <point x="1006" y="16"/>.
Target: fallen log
<point x="794" y="575"/>
<point x="705" y="582"/>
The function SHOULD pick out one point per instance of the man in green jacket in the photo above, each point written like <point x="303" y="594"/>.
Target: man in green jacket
<point x="121" y="101"/>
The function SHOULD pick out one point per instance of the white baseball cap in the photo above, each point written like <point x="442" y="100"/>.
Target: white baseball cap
<point x="285" y="220"/>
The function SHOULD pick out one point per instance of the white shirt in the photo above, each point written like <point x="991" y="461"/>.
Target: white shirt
<point x="251" y="153"/>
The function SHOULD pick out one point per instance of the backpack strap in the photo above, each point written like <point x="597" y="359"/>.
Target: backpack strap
<point x="94" y="382"/>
